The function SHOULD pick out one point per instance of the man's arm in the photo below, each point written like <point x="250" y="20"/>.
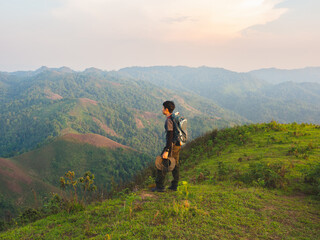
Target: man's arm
<point x="169" y="139"/>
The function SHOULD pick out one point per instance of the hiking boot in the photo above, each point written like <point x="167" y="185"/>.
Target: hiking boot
<point x="172" y="188"/>
<point x="156" y="189"/>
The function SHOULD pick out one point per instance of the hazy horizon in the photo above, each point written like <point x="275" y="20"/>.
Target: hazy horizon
<point x="237" y="35"/>
<point x="81" y="70"/>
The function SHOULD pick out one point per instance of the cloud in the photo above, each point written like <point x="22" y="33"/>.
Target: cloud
<point x="167" y="20"/>
<point x="108" y="34"/>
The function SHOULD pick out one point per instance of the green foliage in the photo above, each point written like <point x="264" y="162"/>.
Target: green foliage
<point x="267" y="175"/>
<point x="228" y="209"/>
<point x="312" y="177"/>
<point x="129" y="203"/>
<point x="301" y="151"/>
<point x="29" y="215"/>
<point x="224" y="170"/>
<point x="7" y="207"/>
<point x="270" y="155"/>
<point x="56" y="204"/>
<point x="83" y="184"/>
<point x="184" y="189"/>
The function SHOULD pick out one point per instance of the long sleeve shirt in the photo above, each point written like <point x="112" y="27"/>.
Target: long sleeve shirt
<point x="169" y="125"/>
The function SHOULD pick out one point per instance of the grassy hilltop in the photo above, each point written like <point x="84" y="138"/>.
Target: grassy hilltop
<point x="257" y="181"/>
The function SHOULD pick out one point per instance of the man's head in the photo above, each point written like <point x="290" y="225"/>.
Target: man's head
<point x="168" y="107"/>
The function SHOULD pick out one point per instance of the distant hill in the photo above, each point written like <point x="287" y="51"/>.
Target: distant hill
<point x="275" y="76"/>
<point x="38" y="106"/>
<point x="212" y="83"/>
<point x="259" y="96"/>
<point x="37" y="173"/>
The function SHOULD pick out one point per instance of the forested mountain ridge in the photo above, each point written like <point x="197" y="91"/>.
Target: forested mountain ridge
<point x="252" y="95"/>
<point x="275" y="76"/>
<point x="38" y="106"/>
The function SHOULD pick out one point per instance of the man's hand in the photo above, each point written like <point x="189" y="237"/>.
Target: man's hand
<point x="165" y="155"/>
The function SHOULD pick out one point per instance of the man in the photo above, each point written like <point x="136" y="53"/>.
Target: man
<point x="172" y="148"/>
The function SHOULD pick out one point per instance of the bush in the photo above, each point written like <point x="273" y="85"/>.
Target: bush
<point x="267" y="175"/>
<point x="224" y="170"/>
<point x="3" y="225"/>
<point x="29" y="215"/>
<point x="55" y="205"/>
<point x="312" y="177"/>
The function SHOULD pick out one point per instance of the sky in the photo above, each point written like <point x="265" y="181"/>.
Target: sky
<point x="238" y="35"/>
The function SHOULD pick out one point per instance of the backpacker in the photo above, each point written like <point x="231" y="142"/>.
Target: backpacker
<point x="180" y="123"/>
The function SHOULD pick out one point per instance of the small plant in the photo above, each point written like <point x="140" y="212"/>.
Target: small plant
<point x="85" y="184"/>
<point x="130" y="198"/>
<point x="180" y="209"/>
<point x="150" y="182"/>
<point x="70" y="181"/>
<point x="183" y="189"/>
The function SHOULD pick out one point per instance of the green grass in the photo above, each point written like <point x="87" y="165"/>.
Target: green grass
<point x="218" y="200"/>
<point x="218" y="211"/>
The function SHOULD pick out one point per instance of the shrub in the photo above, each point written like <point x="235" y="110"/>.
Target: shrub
<point x="55" y="205"/>
<point x="273" y="125"/>
<point x="76" y="186"/>
<point x="312" y="177"/>
<point x="224" y="170"/>
<point x="301" y="151"/>
<point x="267" y="175"/>
<point x="29" y="215"/>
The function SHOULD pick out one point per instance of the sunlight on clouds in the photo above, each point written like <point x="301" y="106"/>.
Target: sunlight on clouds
<point x="169" y="20"/>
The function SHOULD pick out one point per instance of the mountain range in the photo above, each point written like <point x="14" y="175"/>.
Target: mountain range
<point x="53" y="120"/>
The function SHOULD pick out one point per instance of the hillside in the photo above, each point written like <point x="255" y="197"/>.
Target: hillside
<point x="257" y="96"/>
<point x="19" y="188"/>
<point x="36" y="174"/>
<point x="275" y="76"/>
<point x="37" y="106"/>
<point x="252" y="182"/>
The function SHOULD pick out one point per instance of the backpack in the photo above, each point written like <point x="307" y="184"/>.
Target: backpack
<point x="181" y="134"/>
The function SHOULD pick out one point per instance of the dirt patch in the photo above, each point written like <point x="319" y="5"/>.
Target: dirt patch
<point x="185" y="105"/>
<point x="13" y="175"/>
<point x="87" y="100"/>
<point x="139" y="123"/>
<point x="116" y="84"/>
<point x="51" y="95"/>
<point x="94" y="139"/>
<point x="150" y="115"/>
<point x="105" y="127"/>
<point x="145" y="195"/>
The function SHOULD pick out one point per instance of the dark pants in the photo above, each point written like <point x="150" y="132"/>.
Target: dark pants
<point x="161" y="175"/>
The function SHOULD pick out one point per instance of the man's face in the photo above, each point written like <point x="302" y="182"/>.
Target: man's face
<point x="165" y="111"/>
